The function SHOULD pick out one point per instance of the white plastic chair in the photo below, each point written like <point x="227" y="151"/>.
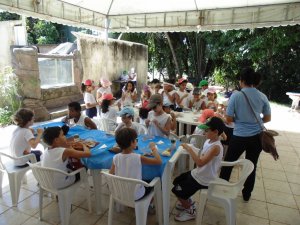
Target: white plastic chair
<point x="104" y="124"/>
<point x="45" y="177"/>
<point x="122" y="190"/>
<point x="15" y="174"/>
<point x="142" y="129"/>
<point x="224" y="192"/>
<point x="197" y="140"/>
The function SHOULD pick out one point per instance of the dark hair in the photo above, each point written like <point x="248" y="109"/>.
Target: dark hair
<point x="215" y="123"/>
<point x="75" y="105"/>
<point x="105" y="105"/>
<point x="250" y="77"/>
<point x="133" y="86"/>
<point x="155" y="81"/>
<point x="22" y="117"/>
<point x="83" y="87"/>
<point x="50" y="134"/>
<point x="125" y="137"/>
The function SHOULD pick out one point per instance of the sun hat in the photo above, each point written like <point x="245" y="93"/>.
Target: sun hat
<point x="146" y="88"/>
<point x="88" y="82"/>
<point x="154" y="100"/>
<point x="181" y="80"/>
<point x="206" y="114"/>
<point x="215" y="123"/>
<point x="126" y="111"/>
<point x="108" y="96"/>
<point x="203" y="83"/>
<point x="105" y="82"/>
<point x="189" y="87"/>
<point x="211" y="90"/>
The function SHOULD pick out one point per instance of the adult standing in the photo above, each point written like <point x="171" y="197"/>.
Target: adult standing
<point x="246" y="131"/>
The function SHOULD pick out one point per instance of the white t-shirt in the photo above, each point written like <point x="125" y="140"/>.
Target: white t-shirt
<point x="207" y="173"/>
<point x="166" y="99"/>
<point x="130" y="166"/>
<point x="197" y="105"/>
<point x="89" y="98"/>
<point x="186" y="100"/>
<point x="52" y="158"/>
<point x="110" y="114"/>
<point x="103" y="90"/>
<point x="134" y="125"/>
<point x="162" y="119"/>
<point x="19" y="143"/>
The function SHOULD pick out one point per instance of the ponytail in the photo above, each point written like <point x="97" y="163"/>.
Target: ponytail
<point x="83" y="88"/>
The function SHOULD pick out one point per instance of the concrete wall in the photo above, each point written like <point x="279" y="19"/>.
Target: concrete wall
<point x="101" y="60"/>
<point x="7" y="38"/>
<point x="42" y="101"/>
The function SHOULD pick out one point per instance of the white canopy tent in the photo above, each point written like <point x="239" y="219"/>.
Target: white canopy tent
<point x="160" y="15"/>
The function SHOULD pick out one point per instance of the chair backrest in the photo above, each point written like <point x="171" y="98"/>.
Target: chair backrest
<point x="232" y="189"/>
<point x="181" y="138"/>
<point x="123" y="189"/>
<point x="197" y="140"/>
<point x="45" y="176"/>
<point x="104" y="124"/>
<point x="142" y="129"/>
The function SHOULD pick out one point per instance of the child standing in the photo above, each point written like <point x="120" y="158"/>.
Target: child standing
<point x="158" y="122"/>
<point x="57" y="154"/>
<point x="89" y="99"/>
<point x="23" y="137"/>
<point x="208" y="164"/>
<point x="104" y="89"/>
<point x="129" y="164"/>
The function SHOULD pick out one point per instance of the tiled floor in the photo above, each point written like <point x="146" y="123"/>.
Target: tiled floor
<point x="275" y="200"/>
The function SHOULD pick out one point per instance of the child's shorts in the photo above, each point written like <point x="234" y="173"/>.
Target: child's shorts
<point x="185" y="186"/>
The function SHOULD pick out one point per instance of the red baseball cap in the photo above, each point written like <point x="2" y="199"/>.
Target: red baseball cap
<point x="88" y="82"/>
<point x="108" y="96"/>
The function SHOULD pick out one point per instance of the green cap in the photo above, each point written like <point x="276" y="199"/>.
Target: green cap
<point x="203" y="83"/>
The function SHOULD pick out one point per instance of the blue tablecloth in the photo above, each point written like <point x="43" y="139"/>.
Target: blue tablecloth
<point x="101" y="158"/>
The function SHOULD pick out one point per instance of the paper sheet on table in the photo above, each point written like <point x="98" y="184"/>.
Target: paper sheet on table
<point x="103" y="146"/>
<point x="159" y="142"/>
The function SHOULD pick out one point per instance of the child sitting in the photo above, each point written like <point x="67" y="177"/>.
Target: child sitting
<point x="196" y="103"/>
<point x="212" y="102"/>
<point x="127" y="115"/>
<point x="158" y="122"/>
<point x="167" y="109"/>
<point x="208" y="164"/>
<point x="129" y="164"/>
<point x="76" y="117"/>
<point x="57" y="154"/>
<point x="23" y="137"/>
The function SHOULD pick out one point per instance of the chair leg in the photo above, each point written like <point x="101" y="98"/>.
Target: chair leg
<point x="1" y="179"/>
<point x="64" y="203"/>
<point x="41" y="203"/>
<point x="24" y="180"/>
<point x="158" y="205"/>
<point x="141" y="215"/>
<point x="110" y="210"/>
<point x="230" y="212"/>
<point x="201" y="207"/>
<point x="15" y="186"/>
<point x="88" y="196"/>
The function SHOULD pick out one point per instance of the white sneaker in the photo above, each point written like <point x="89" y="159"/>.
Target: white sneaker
<point x="187" y="214"/>
<point x="179" y="206"/>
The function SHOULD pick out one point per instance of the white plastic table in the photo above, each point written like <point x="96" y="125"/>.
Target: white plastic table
<point x="295" y="97"/>
<point x="188" y="118"/>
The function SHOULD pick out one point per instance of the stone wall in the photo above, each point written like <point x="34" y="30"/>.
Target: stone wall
<point x="101" y="60"/>
<point x="42" y="101"/>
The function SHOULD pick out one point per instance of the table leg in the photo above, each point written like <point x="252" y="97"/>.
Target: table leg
<point x="97" y="179"/>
